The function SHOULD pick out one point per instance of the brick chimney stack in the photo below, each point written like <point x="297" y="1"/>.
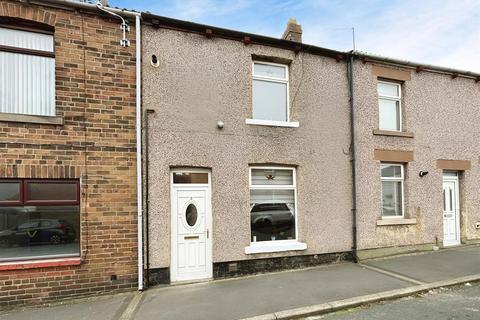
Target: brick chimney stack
<point x="293" y="32"/>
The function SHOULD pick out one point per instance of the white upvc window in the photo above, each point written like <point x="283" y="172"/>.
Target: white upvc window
<point x="392" y="176"/>
<point x="27" y="71"/>
<point x="273" y="210"/>
<point x="270" y="97"/>
<point x="390" y="105"/>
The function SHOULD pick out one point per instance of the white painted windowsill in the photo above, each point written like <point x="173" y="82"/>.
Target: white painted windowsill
<point x="267" y="247"/>
<point x="396" y="221"/>
<point x="272" y="123"/>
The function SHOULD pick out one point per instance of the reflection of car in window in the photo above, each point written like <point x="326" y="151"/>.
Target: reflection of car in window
<point x="272" y="220"/>
<point x="39" y="231"/>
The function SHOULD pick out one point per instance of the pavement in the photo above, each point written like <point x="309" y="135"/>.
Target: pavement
<point x="459" y="302"/>
<point x="282" y="295"/>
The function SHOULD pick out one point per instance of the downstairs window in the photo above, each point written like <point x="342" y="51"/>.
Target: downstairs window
<point x="39" y="219"/>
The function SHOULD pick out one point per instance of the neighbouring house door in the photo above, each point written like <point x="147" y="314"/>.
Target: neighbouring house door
<point x="191" y="214"/>
<point x="451" y="209"/>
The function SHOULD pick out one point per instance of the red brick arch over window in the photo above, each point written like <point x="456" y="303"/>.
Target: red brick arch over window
<point x="27" y="25"/>
<point x="30" y="13"/>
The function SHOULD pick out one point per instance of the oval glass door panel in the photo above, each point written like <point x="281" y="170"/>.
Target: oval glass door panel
<point x="191" y="215"/>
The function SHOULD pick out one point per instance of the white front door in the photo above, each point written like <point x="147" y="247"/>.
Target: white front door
<point x="451" y="210"/>
<point x="191" y="230"/>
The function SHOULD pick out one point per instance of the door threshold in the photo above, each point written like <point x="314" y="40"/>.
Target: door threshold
<point x="194" y="281"/>
<point x="447" y="246"/>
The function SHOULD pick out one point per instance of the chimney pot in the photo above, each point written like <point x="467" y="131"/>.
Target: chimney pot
<point x="293" y="32"/>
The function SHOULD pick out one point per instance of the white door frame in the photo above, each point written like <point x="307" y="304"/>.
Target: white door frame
<point x="454" y="180"/>
<point x="208" y="222"/>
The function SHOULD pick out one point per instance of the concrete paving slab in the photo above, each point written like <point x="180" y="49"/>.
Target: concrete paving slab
<point x="98" y="308"/>
<point x="247" y="297"/>
<point x="462" y="302"/>
<point x="433" y="266"/>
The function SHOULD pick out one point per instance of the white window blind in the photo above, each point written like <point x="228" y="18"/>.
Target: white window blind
<point x="27" y="72"/>
<point x="270" y="91"/>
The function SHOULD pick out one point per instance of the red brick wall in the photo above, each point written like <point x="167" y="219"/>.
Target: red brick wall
<point x="95" y="95"/>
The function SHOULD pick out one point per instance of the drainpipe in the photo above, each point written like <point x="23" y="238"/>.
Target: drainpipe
<point x="138" y="106"/>
<point x="147" y="200"/>
<point x="138" y="129"/>
<point x="353" y="157"/>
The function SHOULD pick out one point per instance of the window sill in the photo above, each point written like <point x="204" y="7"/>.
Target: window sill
<point x="379" y="132"/>
<point x="395" y="221"/>
<point x="32" y="264"/>
<point x="271" y="123"/>
<point x="27" y="118"/>
<point x="271" y="246"/>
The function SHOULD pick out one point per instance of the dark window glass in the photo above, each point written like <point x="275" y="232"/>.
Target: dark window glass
<point x="191" y="214"/>
<point x="46" y="224"/>
<point x="190" y="177"/>
<point x="39" y="231"/>
<point x="272" y="215"/>
<point x="51" y="191"/>
<point x="9" y="191"/>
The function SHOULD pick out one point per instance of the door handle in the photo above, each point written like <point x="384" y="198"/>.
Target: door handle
<point x="208" y="233"/>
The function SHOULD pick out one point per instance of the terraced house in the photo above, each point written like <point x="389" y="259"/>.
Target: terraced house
<point x="258" y="153"/>
<point x="248" y="161"/>
<point x="417" y="155"/>
<point x="266" y="154"/>
<point x="68" y="209"/>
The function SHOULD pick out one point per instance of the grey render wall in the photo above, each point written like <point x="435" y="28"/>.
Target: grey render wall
<point x="444" y="116"/>
<point x="200" y="81"/>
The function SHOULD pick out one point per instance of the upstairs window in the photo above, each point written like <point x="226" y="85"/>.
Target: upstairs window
<point x="389" y="103"/>
<point x="27" y="68"/>
<point x="270" y="91"/>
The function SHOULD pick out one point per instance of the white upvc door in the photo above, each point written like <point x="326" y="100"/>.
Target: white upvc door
<point x="191" y="241"/>
<point x="451" y="211"/>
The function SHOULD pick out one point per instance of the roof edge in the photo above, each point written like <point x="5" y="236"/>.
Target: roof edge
<point x="247" y="38"/>
<point x="250" y="38"/>
<point x="64" y="4"/>
<point x="419" y="67"/>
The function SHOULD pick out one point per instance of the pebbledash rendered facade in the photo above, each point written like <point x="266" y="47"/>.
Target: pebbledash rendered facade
<point x="258" y="154"/>
<point x="249" y="153"/>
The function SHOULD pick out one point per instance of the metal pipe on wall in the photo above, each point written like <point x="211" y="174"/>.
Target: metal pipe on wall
<point x="353" y="155"/>
<point x="138" y="114"/>
<point x="147" y="200"/>
<point x="138" y="130"/>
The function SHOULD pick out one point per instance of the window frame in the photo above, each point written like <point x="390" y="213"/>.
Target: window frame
<point x="286" y="80"/>
<point x="32" y="27"/>
<point x="25" y="203"/>
<point x="395" y="179"/>
<point x="18" y="24"/>
<point x="24" y="193"/>
<point x="278" y="187"/>
<point x="391" y="98"/>
<point x="26" y="200"/>
<point x="20" y="200"/>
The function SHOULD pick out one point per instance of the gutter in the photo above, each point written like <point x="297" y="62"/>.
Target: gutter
<point x="65" y="4"/>
<point x="419" y="67"/>
<point x="353" y="156"/>
<point x="208" y="31"/>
